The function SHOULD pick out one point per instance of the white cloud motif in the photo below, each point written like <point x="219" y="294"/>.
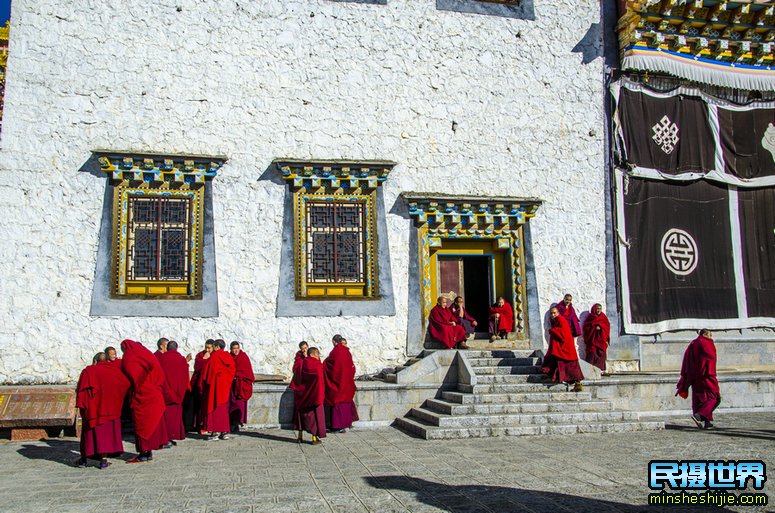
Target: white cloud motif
<point x="768" y="141"/>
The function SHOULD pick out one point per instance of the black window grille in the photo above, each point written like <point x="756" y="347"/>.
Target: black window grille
<point x="335" y="242"/>
<point x="158" y="238"/>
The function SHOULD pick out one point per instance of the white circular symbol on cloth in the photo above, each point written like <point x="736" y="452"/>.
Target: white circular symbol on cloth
<point x="679" y="252"/>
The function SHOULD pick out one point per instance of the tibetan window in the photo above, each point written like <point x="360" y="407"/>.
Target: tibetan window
<point x="158" y="222"/>
<point x="335" y="227"/>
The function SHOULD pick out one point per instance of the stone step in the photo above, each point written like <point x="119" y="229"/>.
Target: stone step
<point x="391" y="378"/>
<point x="468" y="398"/>
<point x="508" y="388"/>
<point x="451" y="408"/>
<point x="429" y="432"/>
<point x="484" y="379"/>
<point x="499" y="353"/>
<point x="517" y="369"/>
<point x="502" y="362"/>
<point x="473" y="421"/>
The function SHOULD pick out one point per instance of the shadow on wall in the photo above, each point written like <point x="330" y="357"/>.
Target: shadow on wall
<point x="500" y="498"/>
<point x="519" y="9"/>
<point x="591" y="45"/>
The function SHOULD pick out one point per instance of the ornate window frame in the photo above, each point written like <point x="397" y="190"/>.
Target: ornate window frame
<point x="332" y="181"/>
<point x="156" y="176"/>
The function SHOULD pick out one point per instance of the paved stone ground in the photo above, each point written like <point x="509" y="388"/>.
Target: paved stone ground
<point x="380" y="470"/>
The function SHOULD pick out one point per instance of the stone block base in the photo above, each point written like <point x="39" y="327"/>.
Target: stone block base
<point x="28" y="435"/>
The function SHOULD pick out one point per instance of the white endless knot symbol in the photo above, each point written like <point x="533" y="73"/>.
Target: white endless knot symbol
<point x="665" y="134"/>
<point x="679" y="252"/>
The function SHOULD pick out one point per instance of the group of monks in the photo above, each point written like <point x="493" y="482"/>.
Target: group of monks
<point x="156" y="388"/>
<point x="318" y="384"/>
<point x="453" y="325"/>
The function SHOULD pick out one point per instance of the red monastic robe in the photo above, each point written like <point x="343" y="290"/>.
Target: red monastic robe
<point x="597" y="335"/>
<point x="147" y="403"/>
<point x="506" y="319"/>
<point x="440" y="326"/>
<point x="176" y="384"/>
<point x="241" y="389"/>
<point x="340" y="387"/>
<point x="216" y="390"/>
<point x="698" y="371"/>
<point x="101" y="391"/>
<point x="561" y="362"/>
<point x="310" y="394"/>
<point x="569" y="314"/>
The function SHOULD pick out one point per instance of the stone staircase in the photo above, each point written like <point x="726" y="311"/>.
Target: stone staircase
<point x="508" y="399"/>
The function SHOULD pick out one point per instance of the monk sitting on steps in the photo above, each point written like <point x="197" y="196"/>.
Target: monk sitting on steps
<point x="501" y="319"/>
<point x="445" y="327"/>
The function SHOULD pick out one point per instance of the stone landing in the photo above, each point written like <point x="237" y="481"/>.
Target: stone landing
<point x="505" y="398"/>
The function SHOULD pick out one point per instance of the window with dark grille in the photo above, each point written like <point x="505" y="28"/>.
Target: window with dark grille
<point x="335" y="242"/>
<point x="158" y="238"/>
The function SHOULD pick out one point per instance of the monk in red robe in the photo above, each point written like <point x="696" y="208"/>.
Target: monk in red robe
<point x="147" y="399"/>
<point x="241" y="387"/>
<point x="561" y="362"/>
<point x="445" y="327"/>
<point x="111" y="356"/>
<point x="340" y="386"/>
<point x="565" y="307"/>
<point x="216" y="389"/>
<point x="463" y="317"/>
<point x="197" y="383"/>
<point x="501" y="319"/>
<point x="100" y="397"/>
<point x="161" y="346"/>
<point x="298" y="361"/>
<point x="698" y="371"/>
<point x="176" y="384"/>
<point x="597" y="336"/>
<point x="310" y="394"/>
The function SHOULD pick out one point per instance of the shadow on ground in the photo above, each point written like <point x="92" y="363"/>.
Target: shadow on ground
<point x="720" y="430"/>
<point x="480" y="498"/>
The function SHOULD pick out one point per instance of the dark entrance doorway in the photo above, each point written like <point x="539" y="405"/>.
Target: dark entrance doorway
<point x="470" y="277"/>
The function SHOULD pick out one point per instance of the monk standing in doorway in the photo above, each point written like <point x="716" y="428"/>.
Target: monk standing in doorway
<point x="444" y="326"/>
<point x="698" y="371"/>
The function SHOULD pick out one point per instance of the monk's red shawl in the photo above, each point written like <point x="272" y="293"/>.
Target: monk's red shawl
<point x="200" y="367"/>
<point x="218" y="376"/>
<point x="561" y="340"/>
<point x="698" y="369"/>
<point x="242" y="386"/>
<point x="506" y="319"/>
<point x="569" y="314"/>
<point x="311" y="390"/>
<point x="147" y="379"/>
<point x="297" y="363"/>
<point x="100" y="394"/>
<point x="594" y="338"/>
<point x="176" y="382"/>
<point x="340" y="376"/>
<point x="440" y="326"/>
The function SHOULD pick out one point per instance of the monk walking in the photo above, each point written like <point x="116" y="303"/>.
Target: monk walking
<point x="147" y="399"/>
<point x="340" y="386"/>
<point x="216" y="389"/>
<point x="100" y="397"/>
<point x="561" y="363"/>
<point x="501" y="319"/>
<point x="310" y="394"/>
<point x="698" y="371"/>
<point x="597" y="336"/>
<point x="444" y="326"/>
<point x="241" y="388"/>
<point x="565" y="307"/>
<point x="176" y="384"/>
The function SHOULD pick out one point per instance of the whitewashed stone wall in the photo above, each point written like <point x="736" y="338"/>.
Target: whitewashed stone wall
<point x="283" y="78"/>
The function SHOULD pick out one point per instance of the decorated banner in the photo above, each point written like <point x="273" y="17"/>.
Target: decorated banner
<point x="695" y="210"/>
<point x="684" y="134"/>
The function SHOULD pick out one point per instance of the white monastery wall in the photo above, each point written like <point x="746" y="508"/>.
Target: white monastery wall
<point x="305" y="79"/>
